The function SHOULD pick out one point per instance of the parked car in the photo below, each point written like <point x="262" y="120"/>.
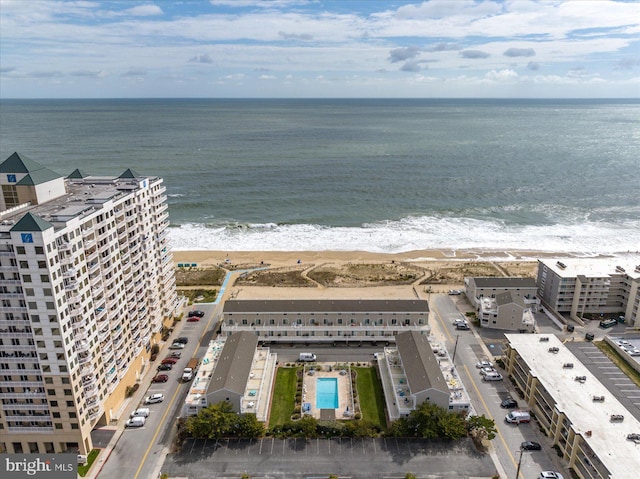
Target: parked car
<point x="137" y="421"/>
<point x="589" y="336"/>
<point x="509" y="403"/>
<point x="165" y="367"/>
<point x="494" y="376"/>
<point x="193" y="319"/>
<point x="550" y="475"/>
<point x="160" y="378"/>
<point x="463" y="326"/>
<point x="484" y="364"/>
<point x="82" y="459"/>
<point x="196" y="313"/>
<point x="530" y="446"/>
<point x="154" y="398"/>
<point x="140" y="412"/>
<point x="634" y="352"/>
<point x="175" y="354"/>
<point x="485" y="371"/>
<point x="455" y="292"/>
<point x="181" y="340"/>
<point x="177" y="346"/>
<point x="169" y="361"/>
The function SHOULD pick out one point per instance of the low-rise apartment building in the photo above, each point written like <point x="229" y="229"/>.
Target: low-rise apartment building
<point x="578" y="286"/>
<point x="236" y="370"/>
<point x="506" y="311"/>
<point x="314" y="321"/>
<point x="86" y="280"/>
<point x="412" y="374"/>
<point x="478" y="288"/>
<point x="572" y="407"/>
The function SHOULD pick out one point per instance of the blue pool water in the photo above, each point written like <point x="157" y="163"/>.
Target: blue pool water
<point x="327" y="393"/>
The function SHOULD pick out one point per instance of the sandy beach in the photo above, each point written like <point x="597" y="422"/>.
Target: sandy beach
<point x="292" y="273"/>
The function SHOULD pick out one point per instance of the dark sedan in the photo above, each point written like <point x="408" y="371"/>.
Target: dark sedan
<point x="530" y="446"/>
<point x="509" y="403"/>
<point x="160" y="378"/>
<point x="165" y="367"/>
<point x="196" y="313"/>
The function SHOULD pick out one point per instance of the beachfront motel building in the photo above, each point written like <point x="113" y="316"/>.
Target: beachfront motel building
<point x="86" y="282"/>
<point x="574" y="287"/>
<point x="321" y="321"/>
<point x="572" y="407"/>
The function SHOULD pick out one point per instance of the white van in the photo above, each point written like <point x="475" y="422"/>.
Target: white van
<point x="140" y="412"/>
<point x="307" y="357"/>
<point x="137" y="421"/>
<point x="517" y="417"/>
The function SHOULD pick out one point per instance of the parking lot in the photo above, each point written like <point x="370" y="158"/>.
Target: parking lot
<point x="608" y="374"/>
<point x="347" y="457"/>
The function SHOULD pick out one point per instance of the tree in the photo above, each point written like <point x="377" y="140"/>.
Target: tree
<point x="483" y="426"/>
<point x="212" y="422"/>
<point x="248" y="425"/>
<point x="308" y="426"/>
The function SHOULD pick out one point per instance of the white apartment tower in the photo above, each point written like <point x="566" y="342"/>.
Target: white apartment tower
<point x="86" y="283"/>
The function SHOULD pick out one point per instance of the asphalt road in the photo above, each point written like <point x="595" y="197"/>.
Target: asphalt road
<point x="138" y="451"/>
<point x="486" y="396"/>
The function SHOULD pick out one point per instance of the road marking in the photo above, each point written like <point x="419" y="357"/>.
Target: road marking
<point x="446" y="331"/>
<point x="260" y="450"/>
<point x="504" y="443"/>
<point x="273" y="440"/>
<point x="153" y="439"/>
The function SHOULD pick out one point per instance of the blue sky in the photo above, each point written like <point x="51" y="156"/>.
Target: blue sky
<point x="319" y="49"/>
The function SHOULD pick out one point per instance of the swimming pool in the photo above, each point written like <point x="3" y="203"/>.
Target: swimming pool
<point x="327" y="393"/>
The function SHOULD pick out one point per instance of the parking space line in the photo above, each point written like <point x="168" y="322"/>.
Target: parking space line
<point x="374" y="447"/>
<point x="273" y="440"/>
<point x="283" y="444"/>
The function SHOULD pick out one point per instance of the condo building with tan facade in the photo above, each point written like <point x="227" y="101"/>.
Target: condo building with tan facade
<point x="86" y="283"/>
<point x="576" y="286"/>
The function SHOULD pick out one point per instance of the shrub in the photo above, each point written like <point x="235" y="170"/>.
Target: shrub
<point x="130" y="390"/>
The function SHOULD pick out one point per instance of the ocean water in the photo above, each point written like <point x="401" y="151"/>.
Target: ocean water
<point x="373" y="175"/>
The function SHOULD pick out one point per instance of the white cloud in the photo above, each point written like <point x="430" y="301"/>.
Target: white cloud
<point x="502" y="75"/>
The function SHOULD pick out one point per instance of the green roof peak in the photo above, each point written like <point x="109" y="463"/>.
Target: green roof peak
<point x="31" y="222"/>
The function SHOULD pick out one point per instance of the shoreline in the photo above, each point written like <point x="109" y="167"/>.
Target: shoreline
<point x="289" y="258"/>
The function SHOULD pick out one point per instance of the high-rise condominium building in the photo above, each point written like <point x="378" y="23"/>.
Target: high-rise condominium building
<point x="86" y="283"/>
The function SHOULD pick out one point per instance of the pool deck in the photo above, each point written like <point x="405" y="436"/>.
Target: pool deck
<point x="309" y="389"/>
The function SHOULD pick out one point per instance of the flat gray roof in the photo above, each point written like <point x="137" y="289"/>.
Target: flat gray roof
<point x="503" y="282"/>
<point x="608" y="440"/>
<point x="326" y="305"/>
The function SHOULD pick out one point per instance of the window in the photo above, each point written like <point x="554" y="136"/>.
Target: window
<point x="42" y="264"/>
<point x="48" y="380"/>
<point x="53" y="403"/>
<point x="44" y="278"/>
<point x="26" y="278"/>
<point x="39" y="250"/>
<point x="58" y="425"/>
<point x="56" y="415"/>
<point x="70" y="404"/>
<point x="20" y="250"/>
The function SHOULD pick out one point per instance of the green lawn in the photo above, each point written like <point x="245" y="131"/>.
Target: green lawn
<point x="82" y="470"/>
<point x="371" y="396"/>
<point x="284" y="396"/>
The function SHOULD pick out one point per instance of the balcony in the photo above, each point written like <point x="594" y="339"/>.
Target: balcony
<point x="28" y="395"/>
<point x="23" y="384"/>
<point x="84" y="360"/>
<point x="91" y="390"/>
<point x="24" y="417"/>
<point x="20" y="406"/>
<point x="64" y="247"/>
<point x="94" y="412"/>
<point x="70" y="273"/>
<point x="30" y="429"/>
<point x="119" y="342"/>
<point x="82" y="346"/>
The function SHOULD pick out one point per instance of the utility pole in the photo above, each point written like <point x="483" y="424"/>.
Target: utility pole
<point x="453" y="359"/>
<point x="519" y="462"/>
